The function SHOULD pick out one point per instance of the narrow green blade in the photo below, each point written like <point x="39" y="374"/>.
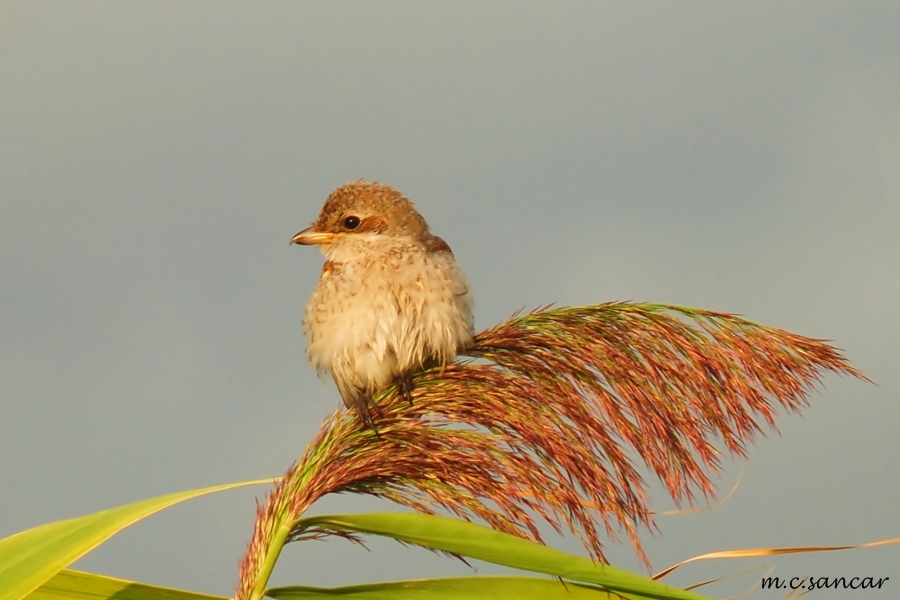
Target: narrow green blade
<point x="30" y="558"/>
<point x="482" y="543"/>
<point x="456" y="588"/>
<point x="76" y="585"/>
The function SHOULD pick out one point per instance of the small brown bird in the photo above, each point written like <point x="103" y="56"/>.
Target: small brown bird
<point x="390" y="298"/>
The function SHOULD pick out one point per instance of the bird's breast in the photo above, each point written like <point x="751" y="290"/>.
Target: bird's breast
<point x="381" y="314"/>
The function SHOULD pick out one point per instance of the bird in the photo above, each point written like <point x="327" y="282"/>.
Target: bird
<point x="390" y="299"/>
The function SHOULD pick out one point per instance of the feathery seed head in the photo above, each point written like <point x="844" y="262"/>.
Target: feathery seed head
<point x="547" y="423"/>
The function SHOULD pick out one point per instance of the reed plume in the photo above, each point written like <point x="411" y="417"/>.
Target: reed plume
<point x="546" y="417"/>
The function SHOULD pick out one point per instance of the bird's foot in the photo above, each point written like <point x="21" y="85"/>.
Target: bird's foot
<point x="365" y="408"/>
<point x="405" y="387"/>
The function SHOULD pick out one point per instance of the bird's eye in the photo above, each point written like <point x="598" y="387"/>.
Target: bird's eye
<point x="351" y="223"/>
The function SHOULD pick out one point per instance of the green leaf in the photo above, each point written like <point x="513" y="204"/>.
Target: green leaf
<point x="76" y="585"/>
<point x="451" y="588"/>
<point x="30" y="558"/>
<point x="482" y="543"/>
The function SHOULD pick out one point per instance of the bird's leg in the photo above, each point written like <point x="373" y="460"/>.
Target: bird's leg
<point x="405" y="387"/>
<point x="365" y="408"/>
<point x="359" y="399"/>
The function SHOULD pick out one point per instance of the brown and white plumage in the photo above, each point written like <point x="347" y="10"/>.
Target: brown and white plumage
<point x="390" y="297"/>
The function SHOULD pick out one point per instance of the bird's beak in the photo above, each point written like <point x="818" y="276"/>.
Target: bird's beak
<point x="311" y="237"/>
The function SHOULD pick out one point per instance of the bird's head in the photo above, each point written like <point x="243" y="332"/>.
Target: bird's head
<point x="363" y="210"/>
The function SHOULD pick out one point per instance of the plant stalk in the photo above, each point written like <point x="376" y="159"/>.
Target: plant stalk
<point x="273" y="552"/>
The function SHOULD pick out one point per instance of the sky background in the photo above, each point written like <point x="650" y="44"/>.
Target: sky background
<point x="156" y="157"/>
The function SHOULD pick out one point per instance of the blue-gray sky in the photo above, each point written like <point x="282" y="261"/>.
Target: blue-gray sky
<point x="156" y="157"/>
